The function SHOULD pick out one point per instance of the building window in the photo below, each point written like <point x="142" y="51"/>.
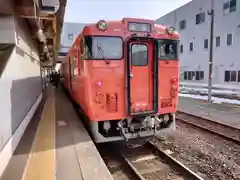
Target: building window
<point x="238" y="76"/>
<point x="191" y="46"/>
<point x="230" y="6"/>
<point x="218" y="41"/>
<point x="194" y="75"/>
<point x="199" y="75"/>
<point x="205" y="43"/>
<point x="233" y="76"/>
<point x="229" y="39"/>
<point x="181" y="48"/>
<point x="182" y="24"/>
<point x="185" y="75"/>
<point x="191" y="75"/>
<point x="200" y="18"/>
<point x="227" y="76"/>
<point x="233" y="6"/>
<point x="230" y="76"/>
<point x="70" y="36"/>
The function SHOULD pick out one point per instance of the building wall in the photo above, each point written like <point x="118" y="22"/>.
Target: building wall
<point x="20" y="89"/>
<point x="69" y="33"/>
<point x="225" y="57"/>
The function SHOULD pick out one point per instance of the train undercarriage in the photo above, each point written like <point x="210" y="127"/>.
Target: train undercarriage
<point x="131" y="128"/>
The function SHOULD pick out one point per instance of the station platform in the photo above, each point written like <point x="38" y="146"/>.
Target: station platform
<point x="224" y="113"/>
<point x="56" y="146"/>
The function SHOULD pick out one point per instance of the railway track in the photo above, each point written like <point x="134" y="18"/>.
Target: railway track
<point x="146" y="163"/>
<point x="220" y="129"/>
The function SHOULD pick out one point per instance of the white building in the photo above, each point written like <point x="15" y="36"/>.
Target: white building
<point x="193" y="23"/>
<point x="69" y="33"/>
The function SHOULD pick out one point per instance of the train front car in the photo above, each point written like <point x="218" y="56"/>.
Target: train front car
<point x="131" y="72"/>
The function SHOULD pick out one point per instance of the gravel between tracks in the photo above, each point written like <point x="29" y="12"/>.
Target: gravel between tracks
<point x="212" y="157"/>
<point x="211" y="125"/>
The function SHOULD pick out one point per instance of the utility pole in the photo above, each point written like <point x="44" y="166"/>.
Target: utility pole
<point x="211" y="13"/>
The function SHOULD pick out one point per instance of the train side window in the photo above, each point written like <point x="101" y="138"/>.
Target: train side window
<point x="168" y="49"/>
<point x="139" y="54"/>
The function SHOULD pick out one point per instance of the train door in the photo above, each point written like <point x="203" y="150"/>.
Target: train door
<point x="141" y="71"/>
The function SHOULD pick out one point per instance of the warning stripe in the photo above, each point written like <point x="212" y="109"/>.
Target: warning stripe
<point x="41" y="161"/>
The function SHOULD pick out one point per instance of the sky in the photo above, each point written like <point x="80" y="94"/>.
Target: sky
<point x="89" y="11"/>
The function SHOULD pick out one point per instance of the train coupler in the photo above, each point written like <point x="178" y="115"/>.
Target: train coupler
<point x="121" y="129"/>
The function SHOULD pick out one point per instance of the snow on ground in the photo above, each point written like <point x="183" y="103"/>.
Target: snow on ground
<point x="218" y="89"/>
<point x="234" y="87"/>
<point x="214" y="99"/>
<point x="205" y="90"/>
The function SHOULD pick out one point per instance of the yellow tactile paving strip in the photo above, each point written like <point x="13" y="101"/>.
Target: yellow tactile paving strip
<point x="41" y="162"/>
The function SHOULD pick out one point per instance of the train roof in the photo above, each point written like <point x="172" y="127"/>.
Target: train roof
<point x="118" y="24"/>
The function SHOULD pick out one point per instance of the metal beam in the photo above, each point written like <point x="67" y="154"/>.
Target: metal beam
<point x="6" y="7"/>
<point x="28" y="12"/>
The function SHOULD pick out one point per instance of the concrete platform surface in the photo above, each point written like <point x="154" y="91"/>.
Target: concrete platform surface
<point x="224" y="113"/>
<point x="56" y="146"/>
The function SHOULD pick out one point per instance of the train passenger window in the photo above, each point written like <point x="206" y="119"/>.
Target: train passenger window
<point x="103" y="47"/>
<point x="139" y="55"/>
<point x="168" y="49"/>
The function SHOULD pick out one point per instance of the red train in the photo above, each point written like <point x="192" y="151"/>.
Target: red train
<point x="125" y="77"/>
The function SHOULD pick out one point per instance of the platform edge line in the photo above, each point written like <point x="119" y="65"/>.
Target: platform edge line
<point x="32" y="153"/>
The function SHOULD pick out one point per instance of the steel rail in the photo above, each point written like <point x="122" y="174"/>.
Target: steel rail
<point x="133" y="169"/>
<point x="221" y="125"/>
<point x="181" y="166"/>
<point x="160" y="153"/>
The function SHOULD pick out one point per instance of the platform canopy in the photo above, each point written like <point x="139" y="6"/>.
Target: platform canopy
<point x="45" y="21"/>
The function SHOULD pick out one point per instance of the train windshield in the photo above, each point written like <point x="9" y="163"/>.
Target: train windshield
<point x="102" y="47"/>
<point x="167" y="49"/>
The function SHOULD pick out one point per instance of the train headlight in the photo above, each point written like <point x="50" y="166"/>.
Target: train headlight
<point x="171" y="30"/>
<point x="102" y="25"/>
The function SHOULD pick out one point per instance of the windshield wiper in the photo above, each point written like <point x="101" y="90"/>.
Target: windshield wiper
<point x="104" y="57"/>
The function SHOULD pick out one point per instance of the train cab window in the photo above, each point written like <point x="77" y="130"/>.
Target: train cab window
<point x="103" y="47"/>
<point x="168" y="49"/>
<point x="139" y="55"/>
